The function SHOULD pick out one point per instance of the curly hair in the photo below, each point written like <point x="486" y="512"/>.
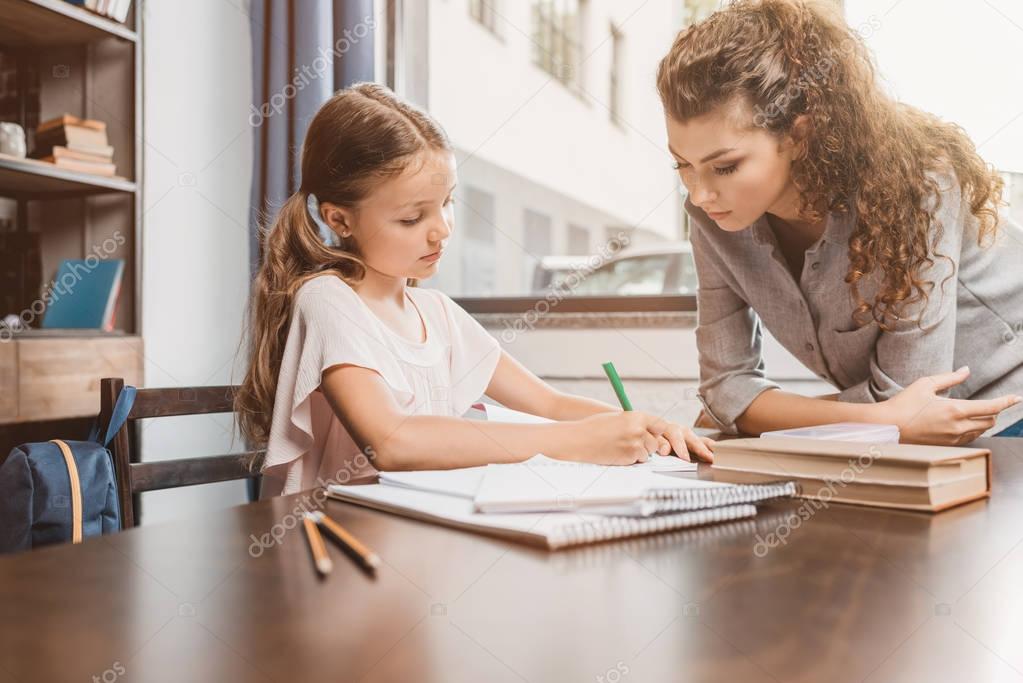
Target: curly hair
<point x="361" y="136"/>
<point x="860" y="149"/>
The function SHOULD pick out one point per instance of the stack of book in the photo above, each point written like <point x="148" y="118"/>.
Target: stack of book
<point x="881" y="474"/>
<point x="75" y="144"/>
<point x="114" y="9"/>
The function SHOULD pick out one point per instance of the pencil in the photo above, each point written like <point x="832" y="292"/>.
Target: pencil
<point x="360" y="553"/>
<point x="320" y="557"/>
<point x="616" y="384"/>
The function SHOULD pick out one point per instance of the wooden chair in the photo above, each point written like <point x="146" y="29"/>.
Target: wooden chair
<point x="135" y="477"/>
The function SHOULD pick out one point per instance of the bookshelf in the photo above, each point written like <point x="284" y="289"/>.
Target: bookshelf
<point x="31" y="178"/>
<point x="56" y="57"/>
<point x="55" y="22"/>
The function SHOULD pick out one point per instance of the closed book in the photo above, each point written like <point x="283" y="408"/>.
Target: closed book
<point x="69" y="136"/>
<point x="95" y="168"/>
<point x="102" y="151"/>
<point x="59" y="152"/>
<point x="891" y="475"/>
<point x="122" y="9"/>
<point x="84" y="294"/>
<point x="69" y="120"/>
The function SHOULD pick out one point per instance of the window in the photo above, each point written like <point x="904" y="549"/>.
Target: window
<point x="1014" y="195"/>
<point x="485" y="12"/>
<point x="550" y="183"/>
<point x="695" y="10"/>
<point x="479" y="254"/>
<point x="614" y="86"/>
<point x="536" y="242"/>
<point x="578" y="240"/>
<point x="556" y="39"/>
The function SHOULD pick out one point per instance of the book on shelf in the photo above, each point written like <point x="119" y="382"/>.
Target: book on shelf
<point x="76" y="144"/>
<point x="112" y="9"/>
<point x="69" y="120"/>
<point x="70" y="135"/>
<point x="94" y="167"/>
<point x="84" y="295"/>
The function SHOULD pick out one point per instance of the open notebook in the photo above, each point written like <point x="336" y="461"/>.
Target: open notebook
<point x="551" y="530"/>
<point x="557" y="504"/>
<point x="545" y="485"/>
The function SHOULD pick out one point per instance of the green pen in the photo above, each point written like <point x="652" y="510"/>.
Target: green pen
<point x="616" y="383"/>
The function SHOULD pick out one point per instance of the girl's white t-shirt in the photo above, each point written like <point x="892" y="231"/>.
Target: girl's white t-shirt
<point x="308" y="445"/>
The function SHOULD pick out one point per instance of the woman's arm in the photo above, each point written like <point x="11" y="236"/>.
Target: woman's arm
<point x="920" y="412"/>
<point x="514" y="386"/>
<point x="775" y="409"/>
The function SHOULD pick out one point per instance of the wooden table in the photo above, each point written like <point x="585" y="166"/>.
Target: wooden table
<point x="852" y="594"/>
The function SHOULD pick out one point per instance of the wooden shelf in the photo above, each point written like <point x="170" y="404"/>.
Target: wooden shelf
<point x="26" y="23"/>
<point x="68" y="333"/>
<point x="58" y="378"/>
<point x="31" y="178"/>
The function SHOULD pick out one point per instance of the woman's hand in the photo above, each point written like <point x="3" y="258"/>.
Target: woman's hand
<point x="624" y="438"/>
<point x="926" y="418"/>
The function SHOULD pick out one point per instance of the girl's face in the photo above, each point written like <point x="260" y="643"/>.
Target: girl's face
<point x="734" y="172"/>
<point x="402" y="226"/>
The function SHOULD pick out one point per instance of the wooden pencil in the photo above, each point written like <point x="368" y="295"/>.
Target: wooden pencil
<point x="363" y="555"/>
<point x="320" y="557"/>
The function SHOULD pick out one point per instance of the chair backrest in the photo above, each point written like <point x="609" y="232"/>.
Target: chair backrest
<point x="134" y="476"/>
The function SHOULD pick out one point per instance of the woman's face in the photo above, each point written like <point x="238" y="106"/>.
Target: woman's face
<point x="734" y="171"/>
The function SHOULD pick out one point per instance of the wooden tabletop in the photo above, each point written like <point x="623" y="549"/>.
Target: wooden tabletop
<point x="850" y="594"/>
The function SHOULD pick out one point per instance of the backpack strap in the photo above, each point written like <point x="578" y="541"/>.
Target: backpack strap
<point x="76" y="491"/>
<point x="118" y="416"/>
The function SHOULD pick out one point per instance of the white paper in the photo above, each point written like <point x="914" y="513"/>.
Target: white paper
<point x="657" y="463"/>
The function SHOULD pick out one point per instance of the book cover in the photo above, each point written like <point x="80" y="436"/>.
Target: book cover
<point x="84" y="296"/>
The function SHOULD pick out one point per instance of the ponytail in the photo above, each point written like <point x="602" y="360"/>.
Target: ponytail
<point x="293" y="253"/>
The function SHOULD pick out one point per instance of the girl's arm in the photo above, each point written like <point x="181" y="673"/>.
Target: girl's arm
<point x="515" y="387"/>
<point x="395" y="440"/>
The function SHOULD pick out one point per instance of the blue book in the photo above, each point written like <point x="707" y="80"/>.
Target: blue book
<point x="84" y="295"/>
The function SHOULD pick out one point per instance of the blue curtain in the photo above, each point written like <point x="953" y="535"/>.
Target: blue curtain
<point x="302" y="52"/>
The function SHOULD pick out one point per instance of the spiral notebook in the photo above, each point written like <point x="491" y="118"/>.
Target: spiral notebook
<point x="552" y="530"/>
<point x="546" y="485"/>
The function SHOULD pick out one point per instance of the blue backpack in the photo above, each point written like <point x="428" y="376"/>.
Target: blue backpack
<point x="57" y="491"/>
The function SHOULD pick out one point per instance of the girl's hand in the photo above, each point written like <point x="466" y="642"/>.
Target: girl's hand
<point x="926" y="418"/>
<point x="624" y="438"/>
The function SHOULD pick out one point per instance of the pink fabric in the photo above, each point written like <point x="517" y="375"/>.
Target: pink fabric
<point x="331" y="325"/>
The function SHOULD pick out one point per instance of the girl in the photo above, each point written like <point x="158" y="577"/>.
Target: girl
<point x="351" y="368"/>
<point x="863" y="233"/>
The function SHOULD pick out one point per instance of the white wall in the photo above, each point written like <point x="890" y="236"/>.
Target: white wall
<point x="198" y="165"/>
<point x="959" y="60"/>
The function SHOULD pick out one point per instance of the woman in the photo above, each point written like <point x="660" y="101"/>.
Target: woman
<point x="862" y="233"/>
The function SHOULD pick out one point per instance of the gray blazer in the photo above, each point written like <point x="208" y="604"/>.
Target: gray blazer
<point x="975" y="319"/>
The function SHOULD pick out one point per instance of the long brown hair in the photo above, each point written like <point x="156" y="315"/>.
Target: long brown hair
<point x="861" y="149"/>
<point x="359" y="137"/>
